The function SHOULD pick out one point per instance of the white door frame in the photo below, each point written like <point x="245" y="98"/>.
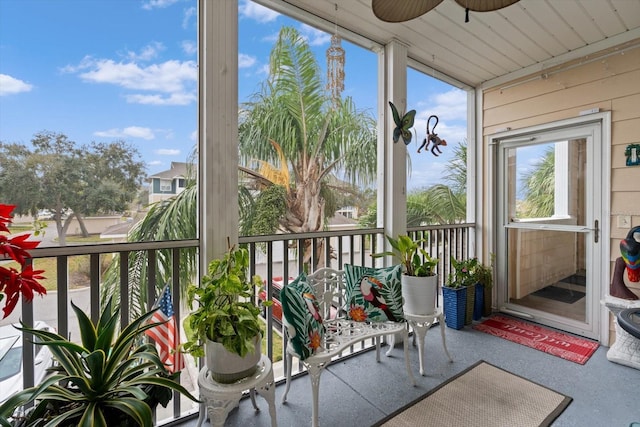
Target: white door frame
<point x="600" y="321"/>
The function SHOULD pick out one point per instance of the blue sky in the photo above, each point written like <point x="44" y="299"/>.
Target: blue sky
<point x="106" y="70"/>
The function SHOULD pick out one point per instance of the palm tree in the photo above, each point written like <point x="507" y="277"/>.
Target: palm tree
<point x="438" y="204"/>
<point x="539" y="188"/>
<point x="294" y="124"/>
<point x="456" y="175"/>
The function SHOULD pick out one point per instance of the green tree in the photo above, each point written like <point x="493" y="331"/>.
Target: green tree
<point x="456" y="176"/>
<point x="438" y="204"/>
<point x="539" y="188"/>
<point x="61" y="176"/>
<point x="171" y="219"/>
<point x="294" y="124"/>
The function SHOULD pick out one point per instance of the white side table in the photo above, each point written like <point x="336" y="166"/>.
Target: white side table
<point x="219" y="399"/>
<point x="421" y="324"/>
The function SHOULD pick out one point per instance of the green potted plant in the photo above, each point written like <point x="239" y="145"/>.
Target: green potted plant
<point x="226" y="326"/>
<point x="419" y="280"/>
<point x="477" y="278"/>
<point x="108" y="378"/>
<point x="458" y="293"/>
<point x="484" y="277"/>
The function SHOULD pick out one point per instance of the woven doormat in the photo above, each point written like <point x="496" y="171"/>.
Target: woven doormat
<point x="568" y="347"/>
<point x="482" y="396"/>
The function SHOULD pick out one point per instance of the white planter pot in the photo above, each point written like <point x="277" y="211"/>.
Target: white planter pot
<point x="227" y="367"/>
<point x="419" y="294"/>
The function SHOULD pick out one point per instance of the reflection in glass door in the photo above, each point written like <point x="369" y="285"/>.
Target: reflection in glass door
<point x="550" y="230"/>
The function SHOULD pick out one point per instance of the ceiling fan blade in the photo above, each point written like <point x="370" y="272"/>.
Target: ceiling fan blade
<point x="401" y="10"/>
<point x="485" y="5"/>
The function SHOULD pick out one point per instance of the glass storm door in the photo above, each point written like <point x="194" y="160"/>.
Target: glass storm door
<point x="549" y="207"/>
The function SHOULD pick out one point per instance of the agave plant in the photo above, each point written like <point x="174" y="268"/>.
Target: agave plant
<point x="110" y="377"/>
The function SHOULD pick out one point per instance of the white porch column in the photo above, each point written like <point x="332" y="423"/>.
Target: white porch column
<point x="392" y="158"/>
<point x="218" y="126"/>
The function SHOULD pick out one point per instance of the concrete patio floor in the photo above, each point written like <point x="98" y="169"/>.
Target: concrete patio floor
<point x="359" y="391"/>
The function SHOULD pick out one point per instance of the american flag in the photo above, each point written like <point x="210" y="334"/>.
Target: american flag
<point x="166" y="335"/>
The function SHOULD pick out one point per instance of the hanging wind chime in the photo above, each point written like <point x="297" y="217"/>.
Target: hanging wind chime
<point x="335" y="64"/>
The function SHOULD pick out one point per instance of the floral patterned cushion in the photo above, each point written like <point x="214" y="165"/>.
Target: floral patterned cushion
<point x="301" y="317"/>
<point x="374" y="294"/>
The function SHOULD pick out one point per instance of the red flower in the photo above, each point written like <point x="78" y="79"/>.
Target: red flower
<point x="13" y="283"/>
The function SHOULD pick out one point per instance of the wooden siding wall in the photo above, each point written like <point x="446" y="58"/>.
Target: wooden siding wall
<point x="611" y="83"/>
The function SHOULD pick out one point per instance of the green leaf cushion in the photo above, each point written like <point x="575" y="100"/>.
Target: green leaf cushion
<point x="374" y="294"/>
<point x="302" y="317"/>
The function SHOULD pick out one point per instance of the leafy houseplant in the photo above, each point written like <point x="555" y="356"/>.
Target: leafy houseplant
<point x="464" y="273"/>
<point x="419" y="281"/>
<point x="14" y="282"/>
<point x="414" y="259"/>
<point x="484" y="276"/>
<point x="109" y="377"/>
<point x="477" y="278"/>
<point x="226" y="313"/>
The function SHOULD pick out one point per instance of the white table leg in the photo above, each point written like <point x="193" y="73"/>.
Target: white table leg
<point x="444" y="341"/>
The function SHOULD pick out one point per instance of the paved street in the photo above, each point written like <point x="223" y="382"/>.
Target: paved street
<point x="46" y="309"/>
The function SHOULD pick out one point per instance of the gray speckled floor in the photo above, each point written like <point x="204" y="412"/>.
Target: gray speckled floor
<point x="359" y="391"/>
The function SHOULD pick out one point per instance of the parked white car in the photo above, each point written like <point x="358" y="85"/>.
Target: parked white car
<point x="11" y="359"/>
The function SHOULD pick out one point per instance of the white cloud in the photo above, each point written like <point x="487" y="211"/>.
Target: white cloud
<point x="131" y="131"/>
<point x="154" y="163"/>
<point x="147" y="53"/>
<point x="314" y="36"/>
<point x="189" y="14"/>
<point x="264" y="70"/>
<point x="168" y="83"/>
<point x="10" y="85"/>
<point x="246" y="61"/>
<point x="152" y="4"/>
<point x="251" y="10"/>
<point x="189" y="47"/>
<point x="450" y="105"/>
<point x="451" y="109"/>
<point x="194" y="135"/>
<point x="182" y="98"/>
<point x="270" y="38"/>
<point x="169" y="76"/>
<point x="167" y="152"/>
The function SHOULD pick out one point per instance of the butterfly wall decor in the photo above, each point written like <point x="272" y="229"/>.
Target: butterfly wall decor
<point x="403" y="125"/>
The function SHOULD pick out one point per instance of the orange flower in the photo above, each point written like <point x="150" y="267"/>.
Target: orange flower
<point x="314" y="337"/>
<point x="357" y="313"/>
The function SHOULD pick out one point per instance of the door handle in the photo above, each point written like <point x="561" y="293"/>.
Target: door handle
<point x="596" y="230"/>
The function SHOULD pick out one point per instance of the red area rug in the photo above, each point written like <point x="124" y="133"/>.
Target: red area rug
<point x="568" y="347"/>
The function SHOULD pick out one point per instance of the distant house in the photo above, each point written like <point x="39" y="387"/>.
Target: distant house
<point x="166" y="184"/>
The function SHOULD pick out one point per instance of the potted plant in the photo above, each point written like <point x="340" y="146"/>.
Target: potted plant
<point x="477" y="278"/>
<point x="419" y="280"/>
<point x="108" y="378"/>
<point x="226" y="326"/>
<point x="24" y="279"/>
<point x="484" y="277"/>
<point x="465" y="276"/>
